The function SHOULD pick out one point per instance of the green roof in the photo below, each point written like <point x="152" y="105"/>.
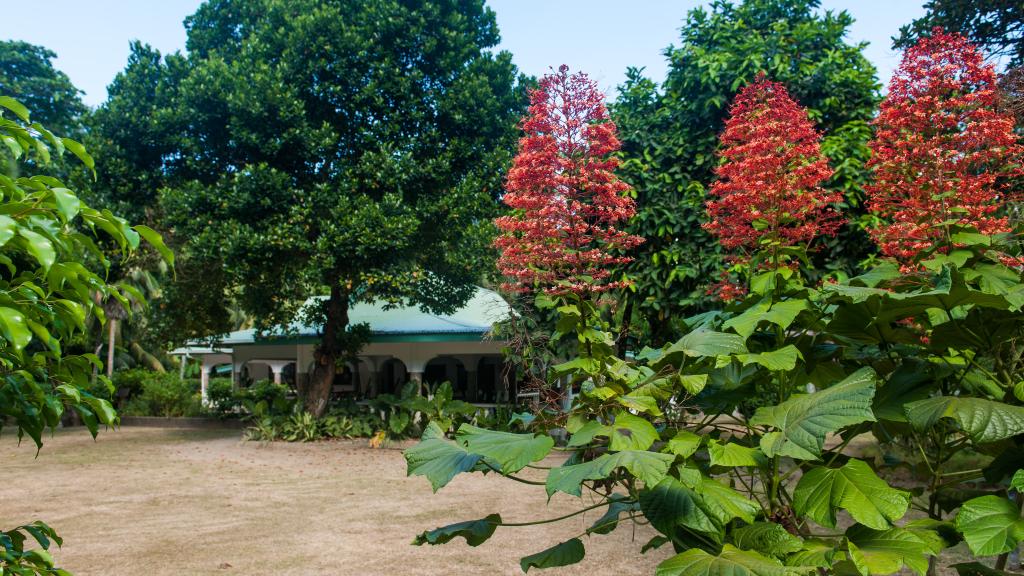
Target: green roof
<point x="398" y="324"/>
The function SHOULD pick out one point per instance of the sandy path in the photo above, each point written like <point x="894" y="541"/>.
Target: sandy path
<point x="153" y="502"/>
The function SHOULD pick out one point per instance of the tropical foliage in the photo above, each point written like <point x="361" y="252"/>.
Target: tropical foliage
<point x="738" y="443"/>
<point x="53" y="277"/>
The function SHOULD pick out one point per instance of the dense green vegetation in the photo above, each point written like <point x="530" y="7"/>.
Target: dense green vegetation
<point x="52" y="278"/>
<point x="356" y="150"/>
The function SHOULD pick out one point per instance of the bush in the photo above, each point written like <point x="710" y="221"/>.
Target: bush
<point x="165" y="395"/>
<point x="221" y="399"/>
<point x="129" y="383"/>
<point x="266" y="398"/>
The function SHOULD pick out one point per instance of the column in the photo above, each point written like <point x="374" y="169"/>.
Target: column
<point x="204" y="382"/>
<point x="471" y="362"/>
<point x="277" y="368"/>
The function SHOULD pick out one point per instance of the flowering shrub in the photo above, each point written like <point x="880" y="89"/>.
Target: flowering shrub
<point x="942" y="150"/>
<point x="925" y="358"/>
<point x="768" y="193"/>
<point x="567" y="202"/>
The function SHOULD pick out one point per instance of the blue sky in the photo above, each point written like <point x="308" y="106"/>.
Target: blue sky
<point x="600" y="37"/>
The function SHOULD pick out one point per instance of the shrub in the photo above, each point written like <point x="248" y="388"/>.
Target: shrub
<point x="165" y="395"/>
<point x="221" y="399"/>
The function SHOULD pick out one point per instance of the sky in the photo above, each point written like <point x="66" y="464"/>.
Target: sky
<point x="91" y="39"/>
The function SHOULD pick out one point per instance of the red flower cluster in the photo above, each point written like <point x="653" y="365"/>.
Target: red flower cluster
<point x="562" y="235"/>
<point x="768" y="189"/>
<point x="941" y="149"/>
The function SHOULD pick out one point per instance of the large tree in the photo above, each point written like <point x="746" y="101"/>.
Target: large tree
<point x="670" y="135"/>
<point x="351" y="149"/>
<point x="27" y="73"/>
<point x="995" y="26"/>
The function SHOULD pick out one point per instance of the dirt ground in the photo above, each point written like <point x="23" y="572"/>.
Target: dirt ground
<point x="142" y="501"/>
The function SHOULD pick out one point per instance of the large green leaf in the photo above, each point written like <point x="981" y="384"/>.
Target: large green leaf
<point x="990" y="525"/>
<point x="438" y="459"/>
<point x="476" y="532"/>
<point x="608" y="521"/>
<point x="40" y="247"/>
<point x="853" y="487"/>
<point x="669" y="504"/>
<point x="8" y="228"/>
<point x="804" y="420"/>
<point x="703" y="343"/>
<point x="877" y="552"/>
<point x="723" y="503"/>
<point x="782" y="359"/>
<point x="650" y="467"/>
<point x="767" y="538"/>
<point x="731" y="562"/>
<point x="630" y="432"/>
<point x="684" y="444"/>
<point x="564" y="554"/>
<point x="511" y="451"/>
<point x="782" y="314"/>
<point x="732" y="454"/>
<point x="982" y="420"/>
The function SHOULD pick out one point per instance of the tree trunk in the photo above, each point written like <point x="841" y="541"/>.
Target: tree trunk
<point x="316" y="393"/>
<point x="112" y="330"/>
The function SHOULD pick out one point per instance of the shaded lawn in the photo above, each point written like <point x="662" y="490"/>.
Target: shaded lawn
<point x="158" y="501"/>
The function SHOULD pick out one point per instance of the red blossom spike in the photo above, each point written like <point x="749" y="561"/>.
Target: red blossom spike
<point x="942" y="150"/>
<point x="568" y="205"/>
<point x="768" y="188"/>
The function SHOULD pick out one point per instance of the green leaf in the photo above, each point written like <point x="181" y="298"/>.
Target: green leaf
<point x="67" y="203"/>
<point x="610" y="519"/>
<point x="156" y="241"/>
<point x="8" y="228"/>
<point x="991" y="525"/>
<point x="782" y="359"/>
<point x="669" y="504"/>
<point x="886" y="551"/>
<point x="731" y="562"/>
<point x="511" y="451"/>
<point x="982" y="420"/>
<point x="853" y="487"/>
<point x="693" y="383"/>
<point x="725" y="504"/>
<point x="564" y="554"/>
<point x="781" y="314"/>
<point x="630" y="432"/>
<point x="437" y="458"/>
<point x="475" y="532"/>
<point x="78" y="150"/>
<point x="1017" y="482"/>
<point x="732" y="454"/>
<point x="804" y="420"/>
<point x="14" y="106"/>
<point x="684" y="444"/>
<point x="703" y="343"/>
<point x="814" y="552"/>
<point x="14" y="328"/>
<point x="767" y="538"/>
<point x="40" y="247"/>
<point x="650" y="467"/>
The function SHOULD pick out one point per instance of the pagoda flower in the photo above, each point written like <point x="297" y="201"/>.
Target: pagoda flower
<point x="768" y="195"/>
<point x="568" y="207"/>
<point x="943" y="151"/>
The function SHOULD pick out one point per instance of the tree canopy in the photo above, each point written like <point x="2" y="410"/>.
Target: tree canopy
<point x="336" y="148"/>
<point x="27" y="74"/>
<point x="995" y="26"/>
<point x="670" y="134"/>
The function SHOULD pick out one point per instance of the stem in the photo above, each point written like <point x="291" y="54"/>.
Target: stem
<point x="559" y="518"/>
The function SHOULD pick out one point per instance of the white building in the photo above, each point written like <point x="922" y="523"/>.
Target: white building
<point x="405" y="344"/>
